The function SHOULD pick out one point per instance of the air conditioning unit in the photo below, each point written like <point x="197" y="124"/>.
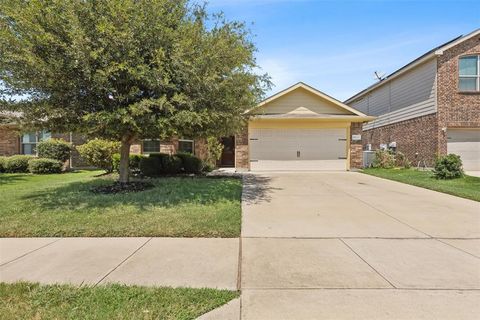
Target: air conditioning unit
<point x="392" y="144"/>
<point x="383" y="146"/>
<point x="368" y="147"/>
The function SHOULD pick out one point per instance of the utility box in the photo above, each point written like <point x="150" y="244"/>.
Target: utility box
<point x="368" y="157"/>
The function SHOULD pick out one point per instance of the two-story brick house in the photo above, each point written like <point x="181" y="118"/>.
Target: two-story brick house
<point x="429" y="107"/>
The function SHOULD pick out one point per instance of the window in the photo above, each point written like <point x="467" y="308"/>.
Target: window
<point x="469" y="73"/>
<point x="30" y="140"/>
<point x="186" y="145"/>
<point x="151" y="146"/>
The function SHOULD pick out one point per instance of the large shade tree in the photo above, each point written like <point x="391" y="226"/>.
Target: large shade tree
<point x="126" y="69"/>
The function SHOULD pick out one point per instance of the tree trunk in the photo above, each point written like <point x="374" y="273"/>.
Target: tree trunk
<point x="124" y="161"/>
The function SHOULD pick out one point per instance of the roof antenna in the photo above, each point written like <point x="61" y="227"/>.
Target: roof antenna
<point x="378" y="75"/>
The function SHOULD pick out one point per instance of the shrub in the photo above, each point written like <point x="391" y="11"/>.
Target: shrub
<point x="2" y="163"/>
<point x="402" y="161"/>
<point x="99" y="153"/>
<point x="383" y="159"/>
<point x="56" y="149"/>
<point x="44" y="166"/>
<point x="215" y="149"/>
<point x="171" y="165"/>
<point x="448" y="167"/>
<point x="134" y="162"/>
<point x="207" y="167"/>
<point x="157" y="164"/>
<point x="190" y="163"/>
<point x="151" y="166"/>
<point x="17" y="164"/>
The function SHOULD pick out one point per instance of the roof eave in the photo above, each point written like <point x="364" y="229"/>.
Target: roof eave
<point x="342" y="118"/>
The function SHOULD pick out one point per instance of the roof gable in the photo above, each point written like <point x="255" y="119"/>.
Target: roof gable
<point x="303" y="100"/>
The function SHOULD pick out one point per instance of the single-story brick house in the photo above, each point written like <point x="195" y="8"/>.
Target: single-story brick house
<point x="429" y="107"/>
<point x="299" y="128"/>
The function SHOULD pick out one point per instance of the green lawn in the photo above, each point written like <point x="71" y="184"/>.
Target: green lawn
<point x="33" y="301"/>
<point x="62" y="205"/>
<point x="466" y="187"/>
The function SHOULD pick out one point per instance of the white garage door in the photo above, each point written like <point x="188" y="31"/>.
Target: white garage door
<point x="465" y="143"/>
<point x="298" y="149"/>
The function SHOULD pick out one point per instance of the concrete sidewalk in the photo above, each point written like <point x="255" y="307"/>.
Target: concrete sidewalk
<point x="176" y="262"/>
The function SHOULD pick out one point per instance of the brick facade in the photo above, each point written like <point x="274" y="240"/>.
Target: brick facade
<point x="455" y="109"/>
<point x="242" y="160"/>
<point x="171" y="147"/>
<point x="9" y="140"/>
<point x="10" y="145"/>
<point x="415" y="138"/>
<point x="356" y="148"/>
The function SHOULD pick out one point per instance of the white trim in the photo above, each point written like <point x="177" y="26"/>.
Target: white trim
<point x="476" y="76"/>
<point x="472" y="34"/>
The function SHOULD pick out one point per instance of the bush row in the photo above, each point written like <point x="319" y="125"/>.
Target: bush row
<point x="25" y="163"/>
<point x="134" y="162"/>
<point x="164" y="164"/>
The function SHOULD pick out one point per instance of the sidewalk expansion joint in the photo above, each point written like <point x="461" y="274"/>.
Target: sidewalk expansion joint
<point x="123" y="261"/>
<point x="356" y="288"/>
<point x="459" y="249"/>
<point x="29" y="252"/>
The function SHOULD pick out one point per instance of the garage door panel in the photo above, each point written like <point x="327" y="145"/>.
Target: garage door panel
<point x="466" y="144"/>
<point x="298" y="165"/>
<point x="298" y="149"/>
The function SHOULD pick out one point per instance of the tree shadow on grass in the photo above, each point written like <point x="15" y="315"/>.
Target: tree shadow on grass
<point x="9" y="178"/>
<point x="167" y="193"/>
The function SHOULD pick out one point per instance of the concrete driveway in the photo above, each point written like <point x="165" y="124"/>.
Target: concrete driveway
<point x="351" y="246"/>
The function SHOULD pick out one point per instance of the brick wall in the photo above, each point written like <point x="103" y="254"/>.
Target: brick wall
<point x="356" y="148"/>
<point x="455" y="109"/>
<point x="242" y="161"/>
<point x="171" y="147"/>
<point x="412" y="136"/>
<point x="201" y="150"/>
<point x="9" y="141"/>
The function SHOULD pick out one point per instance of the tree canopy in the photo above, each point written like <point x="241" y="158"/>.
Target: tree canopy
<point x="126" y="69"/>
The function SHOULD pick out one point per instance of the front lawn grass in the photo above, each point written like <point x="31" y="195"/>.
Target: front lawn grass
<point x="61" y="205"/>
<point x="467" y="187"/>
<point x="34" y="301"/>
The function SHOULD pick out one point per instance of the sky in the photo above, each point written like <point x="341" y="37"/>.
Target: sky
<point x="336" y="46"/>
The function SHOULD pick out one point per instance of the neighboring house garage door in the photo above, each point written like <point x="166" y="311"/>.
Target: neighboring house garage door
<point x="298" y="149"/>
<point x="465" y="143"/>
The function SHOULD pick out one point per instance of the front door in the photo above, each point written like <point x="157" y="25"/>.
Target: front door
<point x="228" y="153"/>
